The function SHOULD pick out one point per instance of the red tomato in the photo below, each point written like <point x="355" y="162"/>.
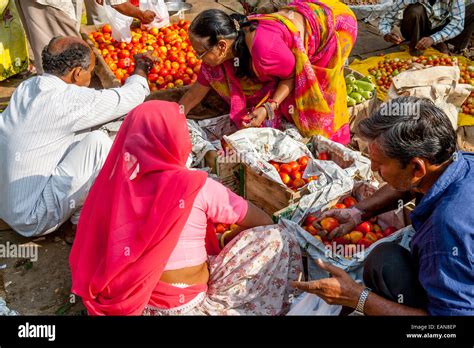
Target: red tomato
<point x="309" y="220"/>
<point x="153" y="77"/>
<point x="295" y="174"/>
<point x="285" y="168"/>
<point x="107" y="29"/>
<point x="276" y="165"/>
<point x="294" y="166"/>
<point x="364" y="227"/>
<point x="303" y="161"/>
<point x="285" y="178"/>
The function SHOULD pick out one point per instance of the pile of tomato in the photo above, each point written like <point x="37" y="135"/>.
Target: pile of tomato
<point x="176" y="66"/>
<point x="389" y="68"/>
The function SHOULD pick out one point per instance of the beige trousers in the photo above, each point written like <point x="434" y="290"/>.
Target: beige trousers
<point x="41" y="24"/>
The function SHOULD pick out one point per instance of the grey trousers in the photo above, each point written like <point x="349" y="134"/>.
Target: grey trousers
<point x="41" y="24"/>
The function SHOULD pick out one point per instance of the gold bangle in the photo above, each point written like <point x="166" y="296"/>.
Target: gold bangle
<point x="222" y="241"/>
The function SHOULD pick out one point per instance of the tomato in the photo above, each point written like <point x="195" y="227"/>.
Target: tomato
<point x="179" y="83"/>
<point x="192" y="61"/>
<point x="175" y="65"/>
<point x="107" y="29"/>
<point x="164" y="72"/>
<point x="285" y="178"/>
<point x="309" y="220"/>
<point x="364" y="227"/>
<point x="303" y="161"/>
<point x="153" y="77"/>
<point x="170" y="85"/>
<point x="295" y="174"/>
<point x="123" y="63"/>
<point x="285" y="168"/>
<point x="276" y="166"/>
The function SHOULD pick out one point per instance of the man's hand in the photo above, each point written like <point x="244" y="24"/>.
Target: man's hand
<point x="256" y="118"/>
<point x="147" y="17"/>
<point x="143" y="63"/>
<point x="424" y="43"/>
<point x="393" y="38"/>
<point x="348" y="220"/>
<point x="340" y="289"/>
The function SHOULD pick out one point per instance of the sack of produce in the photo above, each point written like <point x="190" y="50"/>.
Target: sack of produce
<point x="350" y="251"/>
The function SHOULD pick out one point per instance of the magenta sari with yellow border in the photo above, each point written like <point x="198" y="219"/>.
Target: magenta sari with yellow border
<point x="317" y="105"/>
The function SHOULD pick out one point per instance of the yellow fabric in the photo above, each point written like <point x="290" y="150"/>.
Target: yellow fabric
<point x="363" y="67"/>
<point x="13" y="46"/>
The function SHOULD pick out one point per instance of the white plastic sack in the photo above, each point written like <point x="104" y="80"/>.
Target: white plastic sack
<point x="310" y="304"/>
<point x="162" y="18"/>
<point x="120" y="24"/>
<point x="352" y="162"/>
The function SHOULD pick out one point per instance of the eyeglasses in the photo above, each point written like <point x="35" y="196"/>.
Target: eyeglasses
<point x="201" y="56"/>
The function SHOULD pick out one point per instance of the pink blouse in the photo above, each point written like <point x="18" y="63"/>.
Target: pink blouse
<point x="214" y="202"/>
<point x="271" y="54"/>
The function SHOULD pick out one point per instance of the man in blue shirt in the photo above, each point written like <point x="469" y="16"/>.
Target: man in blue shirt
<point x="427" y="23"/>
<point x="413" y="147"/>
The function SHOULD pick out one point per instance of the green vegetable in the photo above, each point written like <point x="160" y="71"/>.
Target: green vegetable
<point x="354" y="89"/>
<point x="364" y="86"/>
<point x="366" y="94"/>
<point x="351" y="101"/>
<point x="368" y="78"/>
<point x="350" y="79"/>
<point x="357" y="97"/>
<point x="350" y="89"/>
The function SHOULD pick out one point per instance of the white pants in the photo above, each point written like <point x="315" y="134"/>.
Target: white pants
<point x="67" y="189"/>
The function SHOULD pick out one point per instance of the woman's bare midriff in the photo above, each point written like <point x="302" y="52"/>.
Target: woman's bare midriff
<point x="188" y="275"/>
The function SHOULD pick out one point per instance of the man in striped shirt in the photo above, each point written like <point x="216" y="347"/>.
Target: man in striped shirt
<point x="429" y="23"/>
<point x="49" y="156"/>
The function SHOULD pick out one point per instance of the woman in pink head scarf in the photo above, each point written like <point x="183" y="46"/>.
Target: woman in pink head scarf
<point x="146" y="242"/>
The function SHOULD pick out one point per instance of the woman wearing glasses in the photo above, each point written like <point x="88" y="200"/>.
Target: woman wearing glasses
<point x="287" y="66"/>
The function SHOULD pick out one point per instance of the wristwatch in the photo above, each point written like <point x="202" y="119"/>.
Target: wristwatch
<point x="362" y="299"/>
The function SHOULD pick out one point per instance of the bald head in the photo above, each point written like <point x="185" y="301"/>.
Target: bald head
<point x="64" y="53"/>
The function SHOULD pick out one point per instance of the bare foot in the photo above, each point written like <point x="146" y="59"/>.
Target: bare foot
<point x="70" y="233"/>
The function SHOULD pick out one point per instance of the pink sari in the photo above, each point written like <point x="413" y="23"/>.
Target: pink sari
<point x="134" y="214"/>
<point x="318" y="103"/>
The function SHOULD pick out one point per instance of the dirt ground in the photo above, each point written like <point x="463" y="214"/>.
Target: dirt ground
<point x="43" y="287"/>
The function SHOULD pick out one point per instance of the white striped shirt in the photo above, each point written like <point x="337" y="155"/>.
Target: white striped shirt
<point x="40" y="125"/>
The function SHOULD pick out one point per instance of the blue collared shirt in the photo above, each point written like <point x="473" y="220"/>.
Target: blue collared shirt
<point x="444" y="241"/>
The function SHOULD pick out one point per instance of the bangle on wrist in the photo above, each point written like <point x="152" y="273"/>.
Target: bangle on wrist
<point x="222" y="239"/>
<point x="271" y="101"/>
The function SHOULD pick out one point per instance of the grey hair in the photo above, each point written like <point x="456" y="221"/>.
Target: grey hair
<point x="408" y="127"/>
<point x="59" y="64"/>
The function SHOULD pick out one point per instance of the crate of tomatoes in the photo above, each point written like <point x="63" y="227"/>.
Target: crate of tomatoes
<point x="349" y="251"/>
<point x="177" y="65"/>
<point x="277" y="169"/>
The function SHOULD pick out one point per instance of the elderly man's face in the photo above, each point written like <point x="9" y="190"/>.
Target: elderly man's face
<point x="85" y="76"/>
<point x="391" y="170"/>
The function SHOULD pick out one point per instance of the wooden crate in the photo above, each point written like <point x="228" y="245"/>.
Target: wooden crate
<point x="267" y="194"/>
<point x="230" y="175"/>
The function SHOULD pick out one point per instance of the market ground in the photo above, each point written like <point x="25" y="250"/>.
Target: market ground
<point x="43" y="287"/>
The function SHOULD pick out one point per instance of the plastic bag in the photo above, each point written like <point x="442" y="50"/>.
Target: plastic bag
<point x="120" y="24"/>
<point x="310" y="304"/>
<point x="162" y="18"/>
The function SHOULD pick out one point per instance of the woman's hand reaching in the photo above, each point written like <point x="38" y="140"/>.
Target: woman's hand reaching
<point x="256" y="118"/>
